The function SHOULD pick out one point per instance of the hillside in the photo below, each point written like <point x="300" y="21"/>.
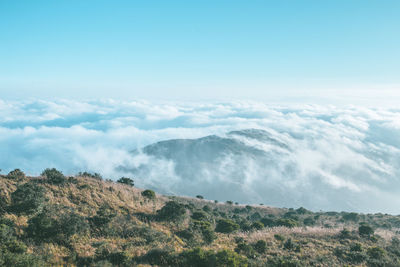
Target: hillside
<point x="84" y="220"/>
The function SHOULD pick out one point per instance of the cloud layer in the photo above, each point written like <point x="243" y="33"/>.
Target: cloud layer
<point x="334" y="158"/>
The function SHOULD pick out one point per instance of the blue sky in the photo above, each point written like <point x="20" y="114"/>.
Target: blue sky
<point x="191" y="50"/>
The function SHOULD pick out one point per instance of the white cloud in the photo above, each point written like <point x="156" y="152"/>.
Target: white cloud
<point x="332" y="157"/>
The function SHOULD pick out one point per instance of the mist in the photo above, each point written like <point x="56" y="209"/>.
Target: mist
<point x="321" y="157"/>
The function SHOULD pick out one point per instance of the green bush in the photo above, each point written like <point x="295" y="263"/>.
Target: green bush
<point x="27" y="199"/>
<point x="245" y="249"/>
<point x="200" y="216"/>
<point x="365" y="230"/>
<point x="260" y="246"/>
<point x="257" y="226"/>
<point x="126" y="180"/>
<point x="376" y="252"/>
<point x="352" y="216"/>
<point x="95" y="175"/>
<point x="226" y="226"/>
<point x="16" y="174"/>
<point x="172" y="211"/>
<point x="149" y="194"/>
<point x="42" y="227"/>
<point x="103" y="216"/>
<point x="286" y="222"/>
<point x="72" y="223"/>
<point x="54" y="176"/>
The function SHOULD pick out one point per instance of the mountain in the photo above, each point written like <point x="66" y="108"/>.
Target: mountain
<point x="256" y="166"/>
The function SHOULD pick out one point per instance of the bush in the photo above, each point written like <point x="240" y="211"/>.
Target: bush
<point x="95" y="175"/>
<point x="257" y="226"/>
<point x="245" y="249"/>
<point x="200" y="216"/>
<point x="376" y="252"/>
<point x="172" y="211"/>
<point x="352" y="216"/>
<point x="199" y="197"/>
<point x="205" y="258"/>
<point x="149" y="194"/>
<point x="72" y="223"/>
<point x="42" y="227"/>
<point x="226" y="226"/>
<point x="126" y="180"/>
<point x="365" y="230"/>
<point x="16" y="174"/>
<point x="54" y="176"/>
<point x="286" y="222"/>
<point x="27" y="199"/>
<point x="260" y="246"/>
<point x="103" y="216"/>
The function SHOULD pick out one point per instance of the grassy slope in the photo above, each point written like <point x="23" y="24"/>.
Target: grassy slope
<point x="319" y="244"/>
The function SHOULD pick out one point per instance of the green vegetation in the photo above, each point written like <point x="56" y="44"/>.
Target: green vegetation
<point x="126" y="180"/>
<point x="87" y="221"/>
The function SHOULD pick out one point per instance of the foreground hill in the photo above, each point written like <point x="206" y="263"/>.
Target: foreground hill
<point x="87" y="221"/>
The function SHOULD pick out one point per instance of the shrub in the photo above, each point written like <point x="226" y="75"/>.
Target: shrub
<point x="54" y="176"/>
<point x="226" y="226"/>
<point x="352" y="216"/>
<point x="199" y="197"/>
<point x="268" y="222"/>
<point x="245" y="249"/>
<point x="376" y="252"/>
<point x="206" y="208"/>
<point x="309" y="221"/>
<point x="95" y="175"/>
<point x="126" y="180"/>
<point x="200" y="216"/>
<point x="160" y="257"/>
<point x="345" y="233"/>
<point x="149" y="194"/>
<point x="279" y="237"/>
<point x="27" y="199"/>
<point x="257" y="225"/>
<point x="103" y="216"/>
<point x="286" y="222"/>
<point x="229" y="258"/>
<point x="260" y="246"/>
<point x="42" y="227"/>
<point x="16" y="174"/>
<point x="72" y="223"/>
<point x="172" y="211"/>
<point x="289" y="245"/>
<point x="365" y="230"/>
<point x="229" y="202"/>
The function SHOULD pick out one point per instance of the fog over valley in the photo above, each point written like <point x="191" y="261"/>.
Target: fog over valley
<point x="319" y="157"/>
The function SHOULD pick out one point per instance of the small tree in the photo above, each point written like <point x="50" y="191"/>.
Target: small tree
<point x="126" y="180"/>
<point x="226" y="226"/>
<point x="16" y="174"/>
<point x="54" y="176"/>
<point x="199" y="197"/>
<point x="149" y="194"/>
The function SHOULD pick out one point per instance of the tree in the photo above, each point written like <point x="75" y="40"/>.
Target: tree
<point x="125" y="180"/>
<point x="226" y="226"/>
<point x="54" y="176"/>
<point x="16" y="174"/>
<point x="28" y="198"/>
<point x="149" y="194"/>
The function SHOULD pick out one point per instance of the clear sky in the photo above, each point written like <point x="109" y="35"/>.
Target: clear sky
<point x="198" y="49"/>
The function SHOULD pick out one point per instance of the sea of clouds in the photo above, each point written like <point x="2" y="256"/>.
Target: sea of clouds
<point x="345" y="158"/>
